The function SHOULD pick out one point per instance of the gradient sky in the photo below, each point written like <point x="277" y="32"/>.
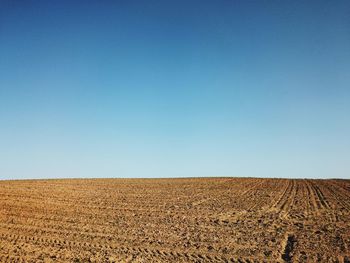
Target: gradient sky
<point x="174" y="88"/>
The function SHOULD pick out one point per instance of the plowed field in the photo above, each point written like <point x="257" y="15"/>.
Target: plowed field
<point x="175" y="220"/>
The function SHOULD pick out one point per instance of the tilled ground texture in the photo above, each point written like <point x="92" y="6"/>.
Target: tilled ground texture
<point x="175" y="220"/>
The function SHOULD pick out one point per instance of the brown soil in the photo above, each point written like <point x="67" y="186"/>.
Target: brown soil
<point x="175" y="220"/>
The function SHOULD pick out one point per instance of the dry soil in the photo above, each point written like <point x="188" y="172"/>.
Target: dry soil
<point x="175" y="220"/>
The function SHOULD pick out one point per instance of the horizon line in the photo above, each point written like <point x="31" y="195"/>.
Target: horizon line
<point x="178" y="177"/>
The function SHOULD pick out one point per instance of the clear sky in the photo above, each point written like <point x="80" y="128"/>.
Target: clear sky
<point x="174" y="88"/>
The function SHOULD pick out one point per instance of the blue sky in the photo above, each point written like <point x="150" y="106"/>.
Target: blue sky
<point x="174" y="88"/>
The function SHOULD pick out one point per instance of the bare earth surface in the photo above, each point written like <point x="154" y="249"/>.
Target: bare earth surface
<point x="175" y="220"/>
